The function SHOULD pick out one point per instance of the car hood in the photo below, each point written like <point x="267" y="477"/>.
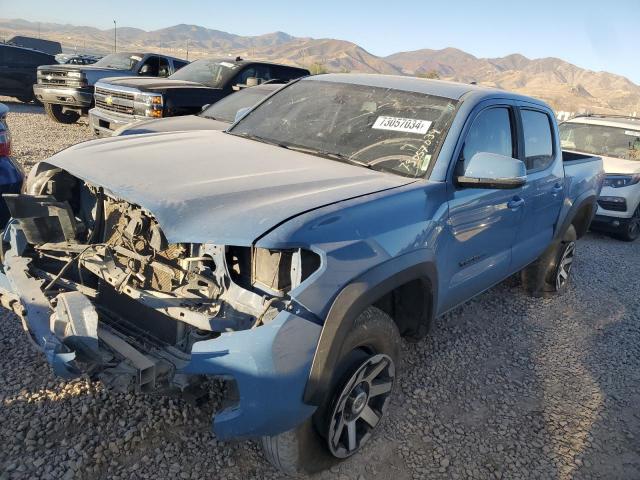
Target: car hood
<point x="84" y="68"/>
<point x="154" y="83"/>
<point x="619" y="165"/>
<point x="213" y="187"/>
<point x="174" y="124"/>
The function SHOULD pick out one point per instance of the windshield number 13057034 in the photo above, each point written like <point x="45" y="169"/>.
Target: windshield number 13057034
<point x="398" y="124"/>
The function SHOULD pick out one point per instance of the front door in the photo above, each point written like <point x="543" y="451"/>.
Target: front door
<point x="482" y="222"/>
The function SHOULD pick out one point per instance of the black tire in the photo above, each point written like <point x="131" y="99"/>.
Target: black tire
<point x="55" y="113"/>
<point x="373" y="343"/>
<point x="549" y="275"/>
<point x="631" y="230"/>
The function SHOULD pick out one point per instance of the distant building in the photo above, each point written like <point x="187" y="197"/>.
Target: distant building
<point x="47" y="46"/>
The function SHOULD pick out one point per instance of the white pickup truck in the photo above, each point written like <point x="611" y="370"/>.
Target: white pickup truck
<point x="617" y="140"/>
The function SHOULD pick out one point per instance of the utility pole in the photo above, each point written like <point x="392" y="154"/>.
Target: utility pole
<point x="187" y="49"/>
<point x="115" y="44"/>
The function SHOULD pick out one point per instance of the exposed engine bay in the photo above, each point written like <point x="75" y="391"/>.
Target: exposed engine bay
<point x="129" y="304"/>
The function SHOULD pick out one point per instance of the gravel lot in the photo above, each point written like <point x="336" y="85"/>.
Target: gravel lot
<point x="504" y="387"/>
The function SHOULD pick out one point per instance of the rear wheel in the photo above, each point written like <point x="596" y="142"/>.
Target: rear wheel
<point x="550" y="274"/>
<point x="56" y="114"/>
<point x="358" y="400"/>
<point x="631" y="231"/>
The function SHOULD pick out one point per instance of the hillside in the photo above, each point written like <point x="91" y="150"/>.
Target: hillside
<point x="565" y="86"/>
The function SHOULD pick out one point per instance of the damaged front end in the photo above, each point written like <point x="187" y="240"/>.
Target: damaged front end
<point x="102" y="292"/>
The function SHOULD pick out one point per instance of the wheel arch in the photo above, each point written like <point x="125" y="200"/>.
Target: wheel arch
<point x="384" y="286"/>
<point x="579" y="215"/>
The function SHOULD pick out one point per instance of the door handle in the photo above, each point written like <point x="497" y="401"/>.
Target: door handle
<point x="515" y="203"/>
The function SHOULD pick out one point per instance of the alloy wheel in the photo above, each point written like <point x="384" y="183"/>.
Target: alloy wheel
<point x="565" y="264"/>
<point x="360" y="405"/>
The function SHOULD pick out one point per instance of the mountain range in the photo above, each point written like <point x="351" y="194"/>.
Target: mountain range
<point x="565" y="86"/>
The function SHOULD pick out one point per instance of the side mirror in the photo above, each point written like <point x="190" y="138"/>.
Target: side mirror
<point x="241" y="113"/>
<point x="145" y="70"/>
<point x="490" y="170"/>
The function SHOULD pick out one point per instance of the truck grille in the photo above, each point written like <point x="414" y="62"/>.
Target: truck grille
<point x="114" y="94"/>
<point x="114" y="101"/>
<point x="52" y="77"/>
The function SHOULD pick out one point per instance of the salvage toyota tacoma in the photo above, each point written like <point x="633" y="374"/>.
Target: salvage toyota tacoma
<point x="290" y="253"/>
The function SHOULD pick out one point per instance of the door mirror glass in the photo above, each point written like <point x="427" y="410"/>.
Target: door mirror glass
<point x="492" y="170"/>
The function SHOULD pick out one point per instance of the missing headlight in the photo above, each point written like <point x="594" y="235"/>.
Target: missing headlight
<point x="273" y="271"/>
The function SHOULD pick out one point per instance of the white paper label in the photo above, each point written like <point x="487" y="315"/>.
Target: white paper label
<point x="227" y="64"/>
<point x="631" y="133"/>
<point x="409" y="125"/>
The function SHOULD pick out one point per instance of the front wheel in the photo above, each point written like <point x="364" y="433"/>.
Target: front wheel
<point x="550" y="274"/>
<point x="631" y="230"/>
<point x="57" y="115"/>
<point x="358" y="400"/>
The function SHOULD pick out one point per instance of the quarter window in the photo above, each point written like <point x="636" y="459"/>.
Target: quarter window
<point x="538" y="139"/>
<point x="491" y="132"/>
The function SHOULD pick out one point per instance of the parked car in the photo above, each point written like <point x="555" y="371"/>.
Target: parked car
<point x="11" y="174"/>
<point x="289" y="253"/>
<point x="122" y="101"/>
<point x="617" y="140"/>
<point x="218" y="116"/>
<point x="18" y="66"/>
<point x="67" y="90"/>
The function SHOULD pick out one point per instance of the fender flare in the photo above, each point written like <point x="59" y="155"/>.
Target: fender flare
<point x="352" y="300"/>
<point x="590" y="197"/>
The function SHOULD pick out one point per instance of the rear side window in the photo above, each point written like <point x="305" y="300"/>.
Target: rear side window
<point x="491" y="132"/>
<point x="538" y="139"/>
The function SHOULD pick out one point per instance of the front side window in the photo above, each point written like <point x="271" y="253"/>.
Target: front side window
<point x="602" y="140"/>
<point x="538" y="139"/>
<point x="491" y="132"/>
<point x="375" y="127"/>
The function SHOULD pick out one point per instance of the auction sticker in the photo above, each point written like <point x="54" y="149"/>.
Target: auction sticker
<point x="410" y="125"/>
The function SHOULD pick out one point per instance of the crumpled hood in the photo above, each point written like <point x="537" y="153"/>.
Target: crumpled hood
<point x="213" y="187"/>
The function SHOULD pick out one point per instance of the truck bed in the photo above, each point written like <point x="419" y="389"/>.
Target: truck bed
<point x="583" y="176"/>
<point x="569" y="156"/>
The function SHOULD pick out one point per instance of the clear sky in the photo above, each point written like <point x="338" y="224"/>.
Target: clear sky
<point x="599" y="35"/>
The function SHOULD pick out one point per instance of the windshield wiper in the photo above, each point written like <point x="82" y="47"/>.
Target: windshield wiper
<point x="323" y="153"/>
<point x="311" y="151"/>
<point x="249" y="136"/>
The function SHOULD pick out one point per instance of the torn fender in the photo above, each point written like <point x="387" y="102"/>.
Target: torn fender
<point x="270" y="365"/>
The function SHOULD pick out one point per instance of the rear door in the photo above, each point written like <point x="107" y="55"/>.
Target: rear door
<point x="543" y="193"/>
<point x="482" y="222"/>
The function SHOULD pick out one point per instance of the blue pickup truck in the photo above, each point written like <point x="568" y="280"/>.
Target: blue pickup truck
<point x="289" y="254"/>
